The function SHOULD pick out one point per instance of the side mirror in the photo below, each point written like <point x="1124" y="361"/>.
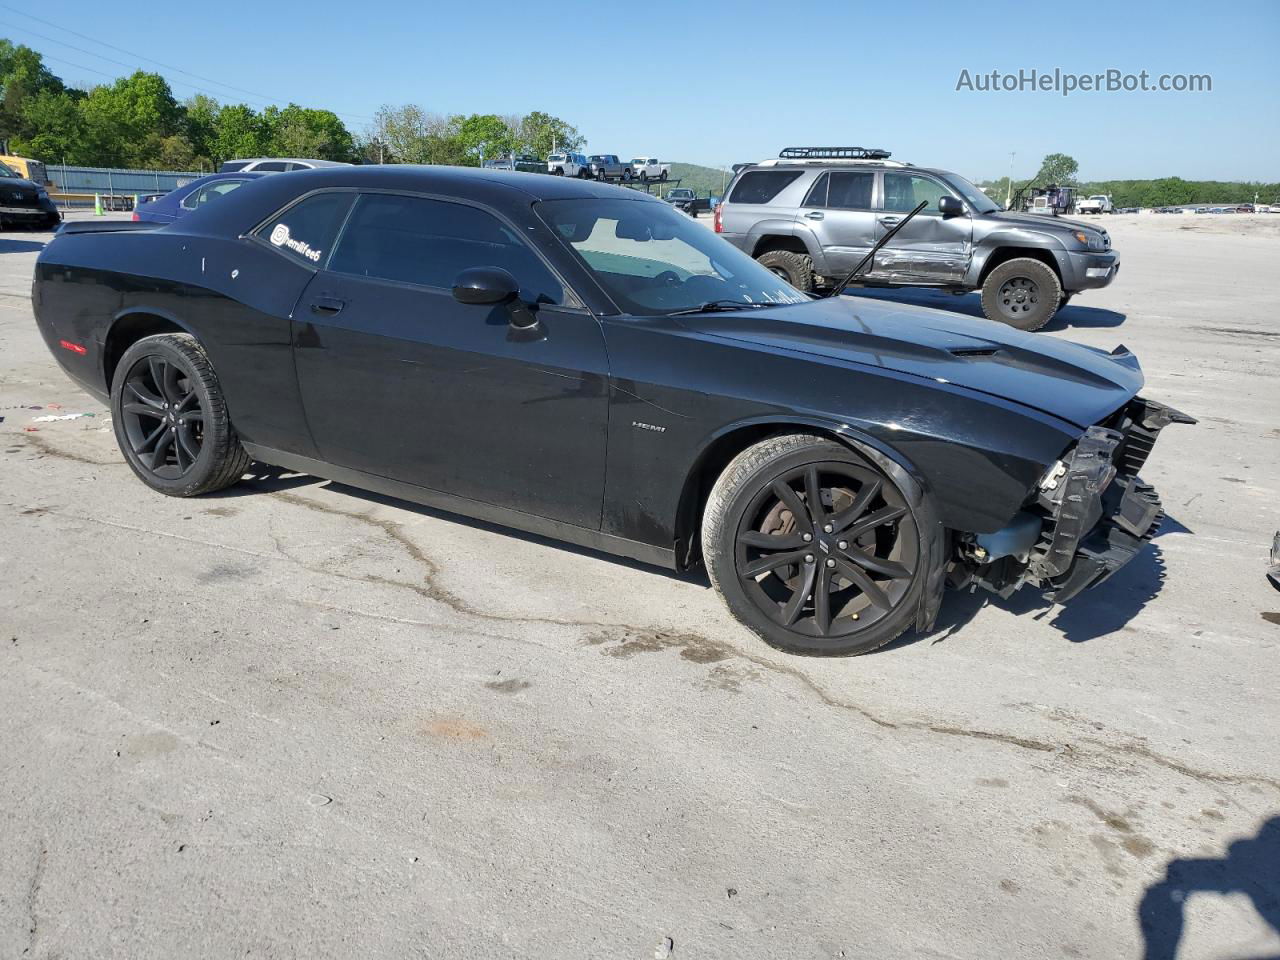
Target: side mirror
<point x="950" y="207"/>
<point x="485" y="285"/>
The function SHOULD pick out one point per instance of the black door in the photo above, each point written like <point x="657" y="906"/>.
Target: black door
<point x="400" y="380"/>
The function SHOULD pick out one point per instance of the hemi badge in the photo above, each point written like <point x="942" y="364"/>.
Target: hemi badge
<point x="73" y="347"/>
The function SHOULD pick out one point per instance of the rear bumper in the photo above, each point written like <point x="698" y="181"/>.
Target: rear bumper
<point x="1100" y="513"/>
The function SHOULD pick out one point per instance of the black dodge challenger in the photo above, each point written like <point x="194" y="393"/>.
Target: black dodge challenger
<point x="582" y="361"/>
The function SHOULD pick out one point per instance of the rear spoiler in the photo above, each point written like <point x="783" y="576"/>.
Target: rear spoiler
<point x="106" y="226"/>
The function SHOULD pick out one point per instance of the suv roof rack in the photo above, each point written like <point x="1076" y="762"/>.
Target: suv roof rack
<point x="834" y="153"/>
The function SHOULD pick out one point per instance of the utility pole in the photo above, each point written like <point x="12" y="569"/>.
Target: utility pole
<point x="1008" y="194"/>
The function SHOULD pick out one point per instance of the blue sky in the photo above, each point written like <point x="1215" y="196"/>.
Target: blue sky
<point x="719" y="82"/>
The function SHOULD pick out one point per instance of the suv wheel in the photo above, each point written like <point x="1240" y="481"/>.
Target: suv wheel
<point x="795" y="268"/>
<point x="814" y="548"/>
<point x="1023" y="293"/>
<point x="171" y="420"/>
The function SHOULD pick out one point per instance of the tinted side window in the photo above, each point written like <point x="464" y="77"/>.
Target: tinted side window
<point x="902" y="191"/>
<point x="817" y="193"/>
<point x="761" y="186"/>
<point x="850" y="190"/>
<point x="231" y="166"/>
<point x="429" y="242"/>
<point x="305" y="232"/>
<point x="272" y="166"/>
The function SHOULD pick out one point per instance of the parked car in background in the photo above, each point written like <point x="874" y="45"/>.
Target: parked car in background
<point x="25" y="203"/>
<point x="276" y="165"/>
<point x="685" y="199"/>
<point x="569" y="165"/>
<point x="650" y="168"/>
<point x="587" y="364"/>
<point x="811" y="217"/>
<point x="1098" y="203"/>
<point x="194" y="196"/>
<point x="607" y="166"/>
<point x="521" y="162"/>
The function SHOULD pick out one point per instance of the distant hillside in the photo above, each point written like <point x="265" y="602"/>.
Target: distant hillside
<point x="704" y="181"/>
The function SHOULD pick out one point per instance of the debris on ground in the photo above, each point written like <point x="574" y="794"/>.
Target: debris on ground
<point x="52" y="418"/>
<point x="666" y="946"/>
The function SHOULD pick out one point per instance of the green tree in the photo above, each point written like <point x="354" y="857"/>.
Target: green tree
<point x="121" y="118"/>
<point x="238" y="131"/>
<point x="303" y="132"/>
<point x="201" y="113"/>
<point x="1057" y="168"/>
<point x="56" y="129"/>
<point x="484" y="136"/>
<point x="540" y="134"/>
<point x="22" y="76"/>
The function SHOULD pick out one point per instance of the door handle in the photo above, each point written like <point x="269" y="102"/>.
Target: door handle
<point x="815" y="215"/>
<point x="327" y="306"/>
<point x="890" y="220"/>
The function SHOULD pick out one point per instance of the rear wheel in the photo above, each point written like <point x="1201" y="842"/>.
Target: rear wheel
<point x="171" y="420"/>
<point x="1023" y="293"/>
<point x="795" y="268"/>
<point x="813" y="547"/>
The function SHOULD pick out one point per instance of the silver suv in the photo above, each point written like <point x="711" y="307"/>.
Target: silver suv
<point x="811" y="214"/>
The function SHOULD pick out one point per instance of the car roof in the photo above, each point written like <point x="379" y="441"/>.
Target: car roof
<point x="252" y="203"/>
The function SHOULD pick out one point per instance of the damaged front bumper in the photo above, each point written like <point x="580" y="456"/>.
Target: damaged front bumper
<point x="1100" y="513"/>
<point x="1091" y="514"/>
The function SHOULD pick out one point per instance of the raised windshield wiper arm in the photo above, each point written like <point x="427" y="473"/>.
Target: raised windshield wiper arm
<point x="871" y="254"/>
<point x="711" y="306"/>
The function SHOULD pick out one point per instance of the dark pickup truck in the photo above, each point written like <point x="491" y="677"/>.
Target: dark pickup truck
<point x="687" y="201"/>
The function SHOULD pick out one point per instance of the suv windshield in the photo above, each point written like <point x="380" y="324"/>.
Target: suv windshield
<point x="980" y="202"/>
<point x="653" y="261"/>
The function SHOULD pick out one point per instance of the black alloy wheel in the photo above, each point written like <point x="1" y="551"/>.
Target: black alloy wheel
<point x="1018" y="296"/>
<point x="162" y="416"/>
<point x="827" y="549"/>
<point x="171" y="419"/>
<point x="1023" y="292"/>
<point x="814" y="548"/>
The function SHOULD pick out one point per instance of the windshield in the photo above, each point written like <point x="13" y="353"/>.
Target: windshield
<point x="980" y="202"/>
<point x="1098" y="198"/>
<point x="652" y="260"/>
<point x="6" y="172"/>
<point x="640" y="160"/>
<point x="556" y="157"/>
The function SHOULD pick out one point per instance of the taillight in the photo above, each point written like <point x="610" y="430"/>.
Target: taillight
<point x="716" y="219"/>
<point x="135" y="215"/>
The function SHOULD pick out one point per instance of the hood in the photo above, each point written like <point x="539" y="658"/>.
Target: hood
<point x="19" y="183"/>
<point x="1075" y="383"/>
<point x="1042" y="222"/>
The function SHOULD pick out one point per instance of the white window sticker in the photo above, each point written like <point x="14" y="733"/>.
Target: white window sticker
<point x="280" y="238"/>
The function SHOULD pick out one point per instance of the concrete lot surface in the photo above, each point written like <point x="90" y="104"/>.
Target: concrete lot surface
<point x="297" y="720"/>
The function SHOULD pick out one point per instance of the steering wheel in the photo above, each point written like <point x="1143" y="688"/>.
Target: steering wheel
<point x="668" y="277"/>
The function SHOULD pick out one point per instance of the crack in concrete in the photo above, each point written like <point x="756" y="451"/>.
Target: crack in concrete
<point x="33" y="893"/>
<point x="694" y="647"/>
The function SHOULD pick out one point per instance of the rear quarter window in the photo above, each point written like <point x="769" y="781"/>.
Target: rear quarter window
<point x="305" y="232"/>
<point x="761" y="186"/>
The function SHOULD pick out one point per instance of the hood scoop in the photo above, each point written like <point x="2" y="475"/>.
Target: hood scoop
<point x="967" y="352"/>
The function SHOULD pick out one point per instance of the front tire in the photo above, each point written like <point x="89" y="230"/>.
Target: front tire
<point x="814" y="548"/>
<point x="171" y="419"/>
<point x="795" y="268"/>
<point x="1023" y="293"/>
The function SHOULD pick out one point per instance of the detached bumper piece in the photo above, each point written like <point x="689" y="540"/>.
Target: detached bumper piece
<point x="1101" y="513"/>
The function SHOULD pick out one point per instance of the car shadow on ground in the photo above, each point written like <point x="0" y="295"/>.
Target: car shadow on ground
<point x="1091" y="615"/>
<point x="263" y="478"/>
<point x="20" y="246"/>
<point x="1249" y="867"/>
<point x="970" y="304"/>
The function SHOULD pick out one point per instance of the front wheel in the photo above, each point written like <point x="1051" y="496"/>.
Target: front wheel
<point x="814" y="548"/>
<point x="171" y="419"/>
<point x="1023" y="293"/>
<point x="663" y="176"/>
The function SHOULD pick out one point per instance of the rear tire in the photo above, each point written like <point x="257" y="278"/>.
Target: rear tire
<point x="844" y="579"/>
<point x="795" y="268"/>
<point x="1022" y="293"/>
<point x="171" y="419"/>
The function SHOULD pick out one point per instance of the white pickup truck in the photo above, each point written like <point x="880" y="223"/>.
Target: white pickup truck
<point x="568" y="165"/>
<point x="649" y="168"/>
<point x="1098" y="203"/>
